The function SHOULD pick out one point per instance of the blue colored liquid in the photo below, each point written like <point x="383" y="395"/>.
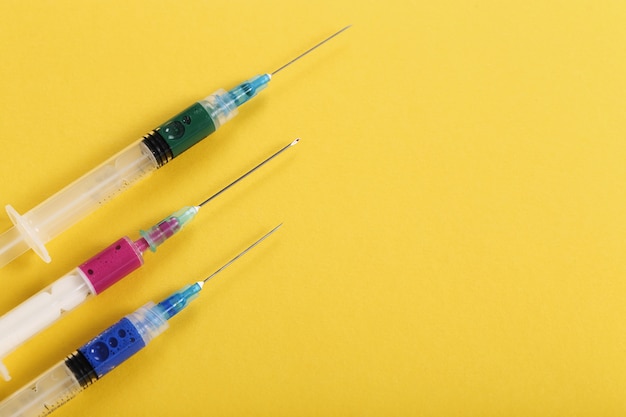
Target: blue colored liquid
<point x="112" y="347"/>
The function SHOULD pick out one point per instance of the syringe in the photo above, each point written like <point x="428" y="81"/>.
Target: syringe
<point x="41" y="224"/>
<point x="104" y="352"/>
<point x="94" y="276"/>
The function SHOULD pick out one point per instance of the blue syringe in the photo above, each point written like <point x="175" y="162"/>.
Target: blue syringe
<point x="35" y="228"/>
<point x="104" y="352"/>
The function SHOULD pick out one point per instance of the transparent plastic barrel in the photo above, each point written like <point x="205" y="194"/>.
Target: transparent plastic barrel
<point x="60" y="384"/>
<point x="38" y="226"/>
<point x="43" y="395"/>
<point x="41" y="224"/>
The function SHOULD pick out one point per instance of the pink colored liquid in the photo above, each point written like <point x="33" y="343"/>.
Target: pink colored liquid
<point x="158" y="234"/>
<point x="112" y="264"/>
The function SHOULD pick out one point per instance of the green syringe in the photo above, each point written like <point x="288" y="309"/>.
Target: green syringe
<point x="35" y="228"/>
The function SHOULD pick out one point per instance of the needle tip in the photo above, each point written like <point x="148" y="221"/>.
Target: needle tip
<point x="284" y="148"/>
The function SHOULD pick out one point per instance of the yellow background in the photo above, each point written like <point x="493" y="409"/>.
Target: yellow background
<point x="454" y="230"/>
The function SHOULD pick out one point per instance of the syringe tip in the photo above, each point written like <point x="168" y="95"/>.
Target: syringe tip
<point x="295" y="142"/>
<point x="166" y="228"/>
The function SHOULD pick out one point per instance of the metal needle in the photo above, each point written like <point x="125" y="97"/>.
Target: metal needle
<point x="309" y="50"/>
<point x="284" y="148"/>
<point x="227" y="264"/>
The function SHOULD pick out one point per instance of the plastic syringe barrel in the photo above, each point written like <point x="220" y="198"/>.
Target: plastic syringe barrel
<point x="86" y="365"/>
<point x="92" y="277"/>
<point x="68" y="292"/>
<point x="34" y="229"/>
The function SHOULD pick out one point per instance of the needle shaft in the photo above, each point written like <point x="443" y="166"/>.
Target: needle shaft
<point x="246" y="250"/>
<point x="284" y="148"/>
<point x="309" y="50"/>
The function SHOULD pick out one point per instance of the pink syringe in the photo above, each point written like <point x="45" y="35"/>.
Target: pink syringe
<point x="94" y="276"/>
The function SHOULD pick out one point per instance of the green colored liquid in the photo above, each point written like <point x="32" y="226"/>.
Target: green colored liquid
<point x="187" y="128"/>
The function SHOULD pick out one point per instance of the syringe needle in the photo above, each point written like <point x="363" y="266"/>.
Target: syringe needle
<point x="309" y="50"/>
<point x="246" y="250"/>
<point x="94" y="276"/>
<point x="295" y="142"/>
<point x="172" y="224"/>
<point x="178" y="301"/>
<point x="103" y="353"/>
<point x="35" y="228"/>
